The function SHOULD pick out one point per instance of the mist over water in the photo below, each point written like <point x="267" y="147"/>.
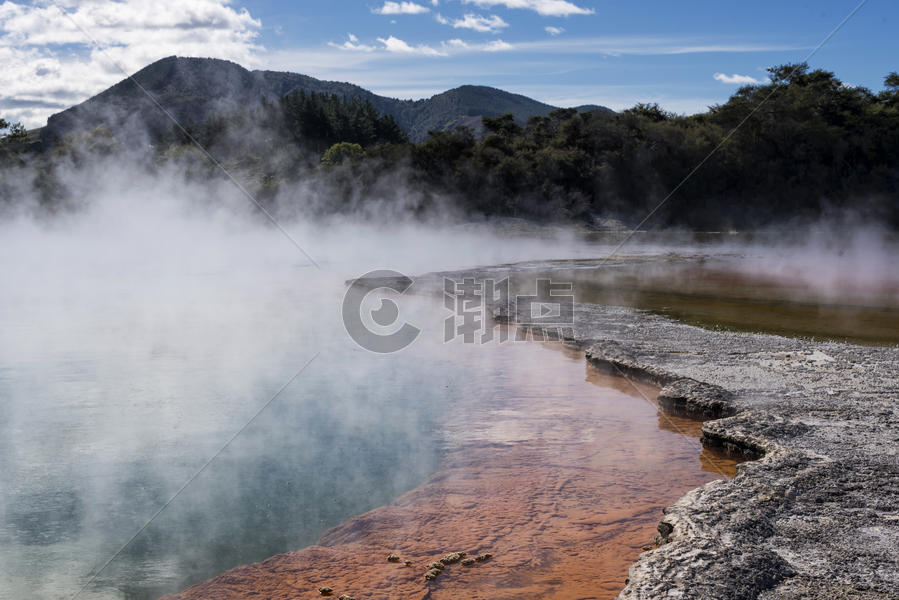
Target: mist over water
<point x="139" y="334"/>
<point x="142" y="330"/>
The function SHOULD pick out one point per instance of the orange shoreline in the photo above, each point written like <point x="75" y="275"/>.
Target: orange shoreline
<point x="563" y="486"/>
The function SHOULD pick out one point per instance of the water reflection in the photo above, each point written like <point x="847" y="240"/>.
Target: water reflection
<point x="737" y="293"/>
<point x="710" y="459"/>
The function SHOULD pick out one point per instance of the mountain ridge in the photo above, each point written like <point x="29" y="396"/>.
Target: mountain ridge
<point x="192" y="89"/>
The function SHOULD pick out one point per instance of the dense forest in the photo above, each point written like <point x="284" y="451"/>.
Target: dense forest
<point x="805" y="145"/>
<point x="799" y="146"/>
<point x="310" y="121"/>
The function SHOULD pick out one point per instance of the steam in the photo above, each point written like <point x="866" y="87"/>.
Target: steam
<point x="147" y="318"/>
<point x="844" y="260"/>
<point x="144" y="322"/>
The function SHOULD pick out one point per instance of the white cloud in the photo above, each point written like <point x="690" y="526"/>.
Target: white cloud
<point x="490" y="24"/>
<point x="352" y="43"/>
<point x="396" y="45"/>
<point x="647" y="46"/>
<point x="49" y="64"/>
<point x="496" y="46"/>
<point x="401" y="8"/>
<point x="554" y="30"/>
<point x="547" y="8"/>
<point x="442" y="20"/>
<point x="457" y="46"/>
<point x="736" y="79"/>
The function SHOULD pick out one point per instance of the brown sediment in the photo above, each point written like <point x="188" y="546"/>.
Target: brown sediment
<point x="553" y="489"/>
<point x="717" y="294"/>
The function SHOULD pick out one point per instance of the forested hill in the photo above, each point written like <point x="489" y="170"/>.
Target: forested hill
<point x="800" y="146"/>
<point x="194" y="90"/>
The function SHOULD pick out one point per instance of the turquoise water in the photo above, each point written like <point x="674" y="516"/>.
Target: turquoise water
<point x="130" y="354"/>
<point x="133" y="346"/>
<point x="104" y="419"/>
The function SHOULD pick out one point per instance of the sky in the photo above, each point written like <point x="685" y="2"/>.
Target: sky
<point x="685" y="55"/>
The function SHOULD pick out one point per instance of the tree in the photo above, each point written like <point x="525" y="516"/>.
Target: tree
<point x="17" y="131"/>
<point x="788" y="73"/>
<point x="340" y="152"/>
<point x="653" y="112"/>
<point x="890" y="96"/>
<point x="504" y="125"/>
<point x="321" y="120"/>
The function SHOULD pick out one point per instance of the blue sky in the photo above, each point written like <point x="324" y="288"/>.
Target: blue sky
<point x="684" y="55"/>
<point x="622" y="53"/>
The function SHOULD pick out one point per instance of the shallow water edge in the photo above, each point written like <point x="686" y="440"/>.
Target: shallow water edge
<point x="562" y="484"/>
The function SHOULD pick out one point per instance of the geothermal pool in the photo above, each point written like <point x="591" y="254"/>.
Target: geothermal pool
<point x="123" y="372"/>
<point x="558" y="471"/>
<point x="517" y="449"/>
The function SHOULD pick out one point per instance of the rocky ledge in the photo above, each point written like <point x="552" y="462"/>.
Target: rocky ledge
<point x="816" y="515"/>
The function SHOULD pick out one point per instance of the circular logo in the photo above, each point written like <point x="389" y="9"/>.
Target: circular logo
<point x="381" y="333"/>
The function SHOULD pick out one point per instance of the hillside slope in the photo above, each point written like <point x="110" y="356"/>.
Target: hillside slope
<point x="193" y="89"/>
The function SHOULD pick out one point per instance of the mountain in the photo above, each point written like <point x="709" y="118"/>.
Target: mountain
<point x="193" y="89"/>
<point x="591" y="107"/>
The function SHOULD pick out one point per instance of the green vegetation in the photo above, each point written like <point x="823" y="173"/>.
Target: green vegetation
<point x="805" y="145"/>
<point x="194" y="90"/>
<point x="325" y="119"/>
<point x="310" y="121"/>
<point x="466" y="105"/>
<point x="15" y="132"/>
<point x="340" y="152"/>
<point x="13" y="138"/>
<point x="801" y="146"/>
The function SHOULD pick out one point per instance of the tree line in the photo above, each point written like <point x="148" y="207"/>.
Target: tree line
<point x="12" y="132"/>
<point x="310" y="121"/>
<point x="799" y="146"/>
